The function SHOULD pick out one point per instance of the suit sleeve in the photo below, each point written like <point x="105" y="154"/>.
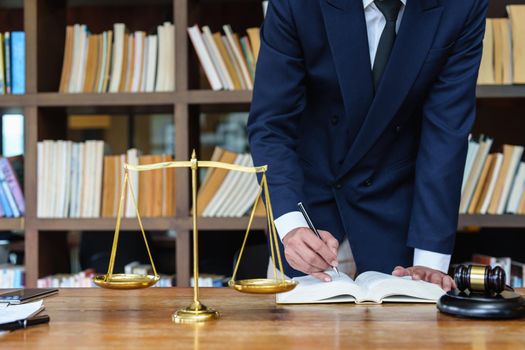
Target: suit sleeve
<point x="277" y="106"/>
<point x="448" y="116"/>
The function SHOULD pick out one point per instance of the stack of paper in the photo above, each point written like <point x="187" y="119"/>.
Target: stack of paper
<point x="14" y="313"/>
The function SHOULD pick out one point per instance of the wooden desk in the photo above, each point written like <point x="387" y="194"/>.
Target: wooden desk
<point x="98" y="318"/>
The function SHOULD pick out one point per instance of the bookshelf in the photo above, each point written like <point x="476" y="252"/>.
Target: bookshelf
<point x="44" y="22"/>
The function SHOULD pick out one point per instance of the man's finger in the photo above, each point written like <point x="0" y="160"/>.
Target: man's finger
<point x="312" y="258"/>
<point x="446" y="283"/>
<point x="400" y="271"/>
<point x="416" y="275"/>
<point x="436" y="278"/>
<point x="321" y="249"/>
<point x="330" y="241"/>
<point x="454" y="286"/>
<point x="302" y="265"/>
<point x="321" y="276"/>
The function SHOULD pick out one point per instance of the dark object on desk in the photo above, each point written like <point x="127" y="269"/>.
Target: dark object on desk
<point x="480" y="278"/>
<point x="11" y="326"/>
<point x="20" y="296"/>
<point x="482" y="294"/>
<point x="507" y="304"/>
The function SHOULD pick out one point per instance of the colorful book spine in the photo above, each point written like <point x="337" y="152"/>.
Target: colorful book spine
<point x="2" y="68"/>
<point x="8" y="213"/>
<point x="7" y="49"/>
<point x="10" y="199"/>
<point x="14" y="185"/>
<point x="18" y="62"/>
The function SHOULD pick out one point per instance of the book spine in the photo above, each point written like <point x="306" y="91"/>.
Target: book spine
<point x="4" y="202"/>
<point x="18" y="62"/>
<point x="2" y="66"/>
<point x="2" y="212"/>
<point x="7" y="47"/>
<point x="10" y="199"/>
<point x="14" y="185"/>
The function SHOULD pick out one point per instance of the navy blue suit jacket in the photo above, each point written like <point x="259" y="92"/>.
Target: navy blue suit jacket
<point x="384" y="167"/>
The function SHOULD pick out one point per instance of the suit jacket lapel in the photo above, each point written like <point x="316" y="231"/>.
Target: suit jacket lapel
<point x="414" y="39"/>
<point x="346" y="30"/>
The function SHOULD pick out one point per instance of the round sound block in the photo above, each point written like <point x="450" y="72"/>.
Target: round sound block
<point x="507" y="304"/>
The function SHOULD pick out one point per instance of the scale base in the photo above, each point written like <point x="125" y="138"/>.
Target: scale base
<point x="506" y="305"/>
<point x="195" y="313"/>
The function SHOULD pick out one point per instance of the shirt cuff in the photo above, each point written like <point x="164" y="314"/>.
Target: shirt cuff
<point x="436" y="261"/>
<point x="288" y="222"/>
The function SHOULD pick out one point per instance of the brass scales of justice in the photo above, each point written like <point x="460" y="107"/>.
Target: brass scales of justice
<point x="196" y="311"/>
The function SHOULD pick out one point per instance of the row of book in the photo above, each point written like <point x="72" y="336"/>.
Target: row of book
<point x="136" y="268"/>
<point x="12" y="202"/>
<point x="210" y="280"/>
<point x="12" y="63"/>
<point x="227" y="60"/>
<point x="118" y="61"/>
<point x="12" y="276"/>
<point x="503" y="60"/>
<point x="226" y="193"/>
<point x="493" y="183"/>
<point x="76" y="180"/>
<point x="84" y="279"/>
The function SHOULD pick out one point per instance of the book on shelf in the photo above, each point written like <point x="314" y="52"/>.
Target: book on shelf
<point x="503" y="60"/>
<point x="12" y="63"/>
<point x="75" y="280"/>
<point x="368" y="287"/>
<point x="118" y="61"/>
<point x="12" y="202"/>
<point x="136" y="268"/>
<point x="517" y="274"/>
<point x="76" y="180"/>
<point x="209" y="280"/>
<point x="228" y="60"/>
<point x="493" y="183"/>
<point x="12" y="276"/>
<point x="227" y="193"/>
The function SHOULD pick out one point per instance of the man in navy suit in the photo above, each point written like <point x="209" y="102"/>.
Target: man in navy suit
<point x="362" y="111"/>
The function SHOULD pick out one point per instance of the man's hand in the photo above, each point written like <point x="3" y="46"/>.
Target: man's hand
<point x="426" y="274"/>
<point x="309" y="254"/>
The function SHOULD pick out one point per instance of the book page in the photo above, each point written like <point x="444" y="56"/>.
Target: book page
<point x="311" y="290"/>
<point x="379" y="286"/>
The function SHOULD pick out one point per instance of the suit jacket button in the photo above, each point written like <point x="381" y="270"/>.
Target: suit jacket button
<point x="338" y="186"/>
<point x="334" y="120"/>
<point x="398" y="128"/>
<point x="368" y="182"/>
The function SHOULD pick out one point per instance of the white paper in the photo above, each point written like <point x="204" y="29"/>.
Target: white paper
<point x="20" y="312"/>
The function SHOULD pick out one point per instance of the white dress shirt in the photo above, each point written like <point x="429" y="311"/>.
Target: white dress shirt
<point x="375" y="23"/>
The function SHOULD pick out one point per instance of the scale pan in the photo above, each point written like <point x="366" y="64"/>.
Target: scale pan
<point x="126" y="281"/>
<point x="262" y="286"/>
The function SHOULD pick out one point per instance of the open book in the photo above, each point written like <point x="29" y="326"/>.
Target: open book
<point x="369" y="287"/>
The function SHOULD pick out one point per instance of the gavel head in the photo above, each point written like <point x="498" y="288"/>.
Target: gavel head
<point x="480" y="279"/>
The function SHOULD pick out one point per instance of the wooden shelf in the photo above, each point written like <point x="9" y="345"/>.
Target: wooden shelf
<point x="500" y="91"/>
<point x="487" y="221"/>
<point x="11" y="224"/>
<point x="218" y="97"/>
<point x="14" y="100"/>
<point x="53" y="99"/>
<point x="103" y="224"/>
<point x="225" y="224"/>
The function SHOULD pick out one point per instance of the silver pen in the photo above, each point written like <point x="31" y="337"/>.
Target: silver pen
<point x="312" y="227"/>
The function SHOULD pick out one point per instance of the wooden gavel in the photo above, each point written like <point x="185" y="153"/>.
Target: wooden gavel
<point x="480" y="279"/>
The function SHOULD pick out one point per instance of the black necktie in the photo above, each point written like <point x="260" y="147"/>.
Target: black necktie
<point x="389" y="9"/>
